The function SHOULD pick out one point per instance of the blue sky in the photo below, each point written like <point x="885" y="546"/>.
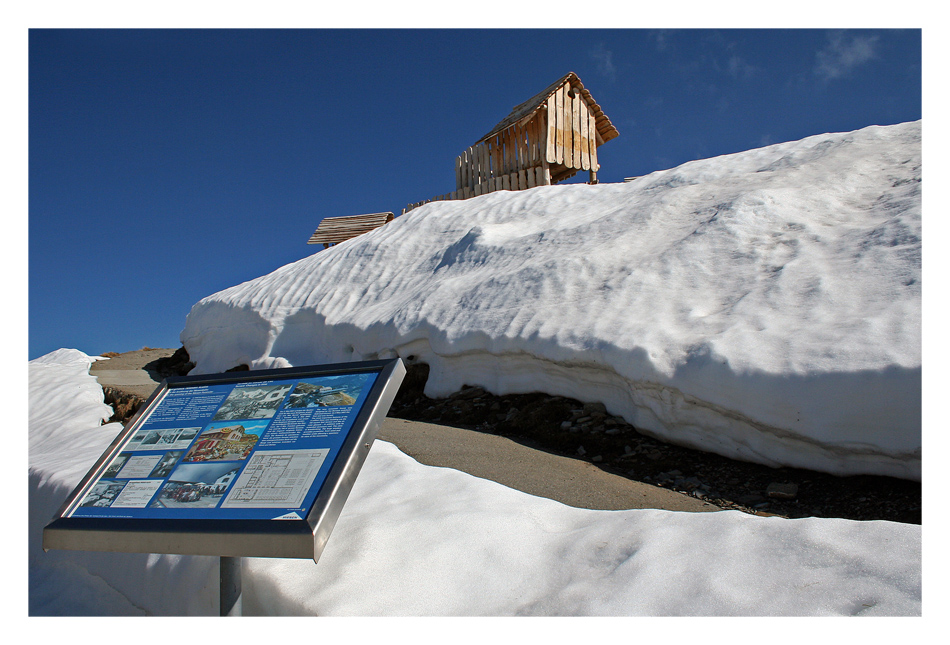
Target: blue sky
<point x="167" y="165"/>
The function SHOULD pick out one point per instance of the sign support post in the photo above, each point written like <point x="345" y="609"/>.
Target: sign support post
<point x="230" y="574"/>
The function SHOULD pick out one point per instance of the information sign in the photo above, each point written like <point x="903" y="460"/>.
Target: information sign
<point x="254" y="463"/>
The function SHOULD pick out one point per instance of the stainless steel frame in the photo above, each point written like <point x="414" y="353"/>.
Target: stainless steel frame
<point x="304" y="538"/>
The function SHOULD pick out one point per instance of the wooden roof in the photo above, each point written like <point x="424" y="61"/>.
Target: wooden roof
<point x="526" y="110"/>
<point x="333" y="230"/>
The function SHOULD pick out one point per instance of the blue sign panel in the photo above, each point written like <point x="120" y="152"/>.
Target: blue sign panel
<point x="232" y="450"/>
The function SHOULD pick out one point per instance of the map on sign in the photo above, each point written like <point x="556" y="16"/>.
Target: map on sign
<point x="256" y="449"/>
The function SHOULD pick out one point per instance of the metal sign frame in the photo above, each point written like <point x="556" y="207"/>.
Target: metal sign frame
<point x="229" y="537"/>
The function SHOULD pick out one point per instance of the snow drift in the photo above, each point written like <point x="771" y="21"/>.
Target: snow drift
<point x="763" y="305"/>
<point x="416" y="540"/>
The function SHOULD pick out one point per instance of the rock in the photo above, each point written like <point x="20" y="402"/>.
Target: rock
<point x="595" y="407"/>
<point x="124" y="405"/>
<point x="469" y="393"/>
<point x="178" y="364"/>
<point x="782" y="490"/>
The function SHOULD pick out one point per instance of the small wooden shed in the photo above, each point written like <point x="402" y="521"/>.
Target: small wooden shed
<point x="546" y="139"/>
<point x="333" y="230"/>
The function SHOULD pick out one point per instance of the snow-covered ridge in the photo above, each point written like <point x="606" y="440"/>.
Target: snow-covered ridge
<point x="764" y="305"/>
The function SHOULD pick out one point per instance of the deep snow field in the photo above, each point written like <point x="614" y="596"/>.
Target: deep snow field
<point x="765" y="306"/>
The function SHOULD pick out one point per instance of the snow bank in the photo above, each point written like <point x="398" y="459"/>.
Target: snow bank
<point x="763" y="305"/>
<point x="416" y="540"/>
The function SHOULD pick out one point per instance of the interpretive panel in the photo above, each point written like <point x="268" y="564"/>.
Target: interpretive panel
<point x="233" y="448"/>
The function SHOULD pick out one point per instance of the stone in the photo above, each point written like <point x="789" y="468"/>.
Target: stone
<point x="591" y="408"/>
<point x="782" y="490"/>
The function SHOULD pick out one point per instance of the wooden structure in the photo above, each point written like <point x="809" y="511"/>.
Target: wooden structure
<point x="333" y="230"/>
<point x="546" y="139"/>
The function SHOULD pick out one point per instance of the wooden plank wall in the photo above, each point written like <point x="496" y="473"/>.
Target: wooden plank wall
<point x="572" y="131"/>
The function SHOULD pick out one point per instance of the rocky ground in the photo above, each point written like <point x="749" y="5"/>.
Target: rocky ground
<point x="586" y="431"/>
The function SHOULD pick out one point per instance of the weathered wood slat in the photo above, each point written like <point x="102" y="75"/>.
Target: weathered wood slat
<point x="592" y="139"/>
<point x="568" y="120"/>
<point x="333" y="230"/>
<point x="559" y="126"/>
<point x="506" y="138"/>
<point x="537" y="136"/>
<point x="514" y="148"/>
<point x="476" y="163"/>
<point x="476" y="170"/>
<point x="499" y="158"/>
<point x="551" y="125"/>
<point x="584" y="134"/>
<point x="576" y="129"/>
<point x="464" y="166"/>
